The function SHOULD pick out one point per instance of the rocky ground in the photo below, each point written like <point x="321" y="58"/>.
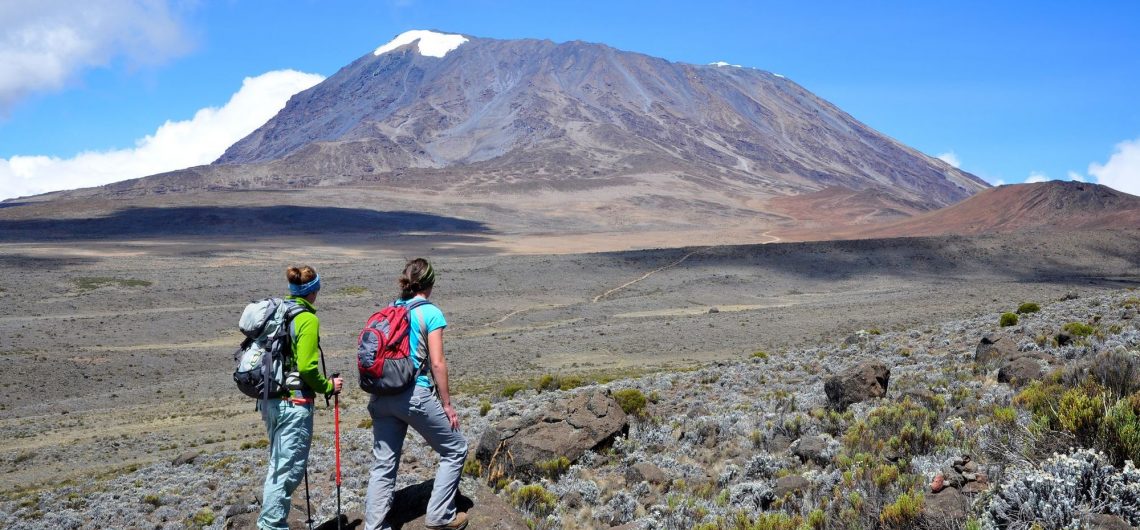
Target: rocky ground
<point x="737" y="345"/>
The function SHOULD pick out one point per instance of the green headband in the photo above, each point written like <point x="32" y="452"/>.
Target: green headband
<point x="428" y="277"/>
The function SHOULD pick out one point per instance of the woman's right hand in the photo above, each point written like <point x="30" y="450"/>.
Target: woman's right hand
<point x="338" y="383"/>
<point x="452" y="416"/>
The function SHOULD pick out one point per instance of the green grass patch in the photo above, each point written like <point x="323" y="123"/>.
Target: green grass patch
<point x="1008" y="319"/>
<point x="352" y="290"/>
<point x="1078" y="329"/>
<point x="1028" y="307"/>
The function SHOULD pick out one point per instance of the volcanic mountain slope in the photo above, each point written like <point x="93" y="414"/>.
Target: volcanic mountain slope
<point x="1016" y="207"/>
<point x="610" y="140"/>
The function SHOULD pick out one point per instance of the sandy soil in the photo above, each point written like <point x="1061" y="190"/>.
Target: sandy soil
<point x="119" y="353"/>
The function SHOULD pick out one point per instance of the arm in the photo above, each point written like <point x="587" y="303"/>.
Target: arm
<point x="307" y="354"/>
<point x="439" y="374"/>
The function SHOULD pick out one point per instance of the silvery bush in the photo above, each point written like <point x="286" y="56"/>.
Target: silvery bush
<point x="1062" y="490"/>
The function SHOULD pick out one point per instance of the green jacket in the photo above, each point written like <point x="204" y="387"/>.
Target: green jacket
<point x="306" y="353"/>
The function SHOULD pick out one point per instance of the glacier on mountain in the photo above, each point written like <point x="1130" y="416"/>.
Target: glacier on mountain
<point x="431" y="44"/>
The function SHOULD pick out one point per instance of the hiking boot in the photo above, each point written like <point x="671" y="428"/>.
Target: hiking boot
<point x="459" y="523"/>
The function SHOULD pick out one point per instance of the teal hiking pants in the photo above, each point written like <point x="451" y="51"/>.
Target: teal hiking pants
<point x="290" y="430"/>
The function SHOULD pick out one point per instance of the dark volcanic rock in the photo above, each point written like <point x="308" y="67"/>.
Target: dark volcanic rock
<point x="185" y="458"/>
<point x="644" y="471"/>
<point x="1020" y="371"/>
<point x="812" y="449"/>
<point x="945" y="509"/>
<point x="860" y="383"/>
<point x="994" y="347"/>
<point x="791" y="484"/>
<point x="568" y="428"/>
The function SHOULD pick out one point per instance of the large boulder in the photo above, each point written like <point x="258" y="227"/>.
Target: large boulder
<point x="993" y="348"/>
<point x="1020" y="371"/>
<point x="819" y="449"/>
<point x="791" y="484"/>
<point x="945" y="509"/>
<point x="860" y="383"/>
<point x="568" y="428"/>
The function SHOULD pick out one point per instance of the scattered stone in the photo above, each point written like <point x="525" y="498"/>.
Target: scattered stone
<point x="1103" y="521"/>
<point x="713" y="310"/>
<point x="779" y="443"/>
<point x="186" y="458"/>
<point x="994" y="347"/>
<point x="975" y="487"/>
<point x="1020" y="371"/>
<point x="1063" y="338"/>
<point x="568" y="428"/>
<point x="1128" y="314"/>
<point x="865" y="381"/>
<point x="816" y="449"/>
<point x="945" y="509"/>
<point x="938" y="483"/>
<point x="644" y="471"/>
<point x="790" y="484"/>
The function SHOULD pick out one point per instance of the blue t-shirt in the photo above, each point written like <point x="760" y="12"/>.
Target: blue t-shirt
<point x="430" y="315"/>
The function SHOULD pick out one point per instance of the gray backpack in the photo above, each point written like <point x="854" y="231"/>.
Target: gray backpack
<point x="261" y="358"/>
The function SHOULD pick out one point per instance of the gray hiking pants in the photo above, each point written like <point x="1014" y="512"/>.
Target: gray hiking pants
<point x="391" y="416"/>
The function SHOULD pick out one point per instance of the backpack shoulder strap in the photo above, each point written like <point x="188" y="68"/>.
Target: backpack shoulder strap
<point x="425" y="362"/>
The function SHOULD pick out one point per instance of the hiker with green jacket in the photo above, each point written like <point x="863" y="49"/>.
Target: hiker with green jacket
<point x="289" y="416"/>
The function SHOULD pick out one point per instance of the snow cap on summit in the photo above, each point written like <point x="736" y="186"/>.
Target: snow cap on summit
<point x="722" y="63"/>
<point x="431" y="44"/>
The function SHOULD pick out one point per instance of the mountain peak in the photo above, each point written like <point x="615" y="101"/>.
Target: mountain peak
<point x="430" y="43"/>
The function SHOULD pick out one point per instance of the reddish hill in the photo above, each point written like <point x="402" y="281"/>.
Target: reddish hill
<point x="1010" y="208"/>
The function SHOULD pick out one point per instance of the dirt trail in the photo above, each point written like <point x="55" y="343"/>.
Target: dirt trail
<point x="647" y="275"/>
<point x="106" y="314"/>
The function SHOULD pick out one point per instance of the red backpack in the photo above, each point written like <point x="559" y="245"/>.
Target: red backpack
<point x="383" y="354"/>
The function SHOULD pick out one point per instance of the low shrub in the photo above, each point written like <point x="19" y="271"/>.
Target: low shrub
<point x="511" y="389"/>
<point x="554" y="467"/>
<point x="1089" y="413"/>
<point x="904" y="511"/>
<point x="1008" y="319"/>
<point x="366" y="423"/>
<point x="204" y="517"/>
<point x="547" y="382"/>
<point x="762" y="355"/>
<point x="484" y="407"/>
<point x="631" y="400"/>
<point x="472" y="467"/>
<point x="535" y="499"/>
<point x="1062" y="490"/>
<point x="1078" y="329"/>
<point x="1028" y="307"/>
<point x="903" y="429"/>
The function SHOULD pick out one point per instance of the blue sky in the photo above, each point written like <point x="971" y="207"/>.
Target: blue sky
<point x="1008" y="90"/>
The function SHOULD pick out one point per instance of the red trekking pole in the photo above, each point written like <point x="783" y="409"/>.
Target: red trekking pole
<point x="336" y="430"/>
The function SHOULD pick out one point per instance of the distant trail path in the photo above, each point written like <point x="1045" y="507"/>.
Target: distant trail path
<point x="506" y="316"/>
<point x="104" y="314"/>
<point x="646" y="275"/>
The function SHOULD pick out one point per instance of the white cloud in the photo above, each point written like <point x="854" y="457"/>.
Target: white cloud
<point x="1122" y="171"/>
<point x="1076" y="177"/>
<point x="999" y="182"/>
<point x="1036" y="176"/>
<point x="950" y="158"/>
<point x="46" y="43"/>
<point x="174" y="145"/>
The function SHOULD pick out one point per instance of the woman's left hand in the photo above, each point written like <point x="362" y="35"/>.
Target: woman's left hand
<point x="452" y="416"/>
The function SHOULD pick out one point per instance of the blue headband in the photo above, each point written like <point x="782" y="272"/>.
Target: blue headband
<point x="305" y="288"/>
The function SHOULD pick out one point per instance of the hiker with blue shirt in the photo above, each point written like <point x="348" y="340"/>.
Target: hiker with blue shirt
<point x="289" y="415"/>
<point x="425" y="406"/>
